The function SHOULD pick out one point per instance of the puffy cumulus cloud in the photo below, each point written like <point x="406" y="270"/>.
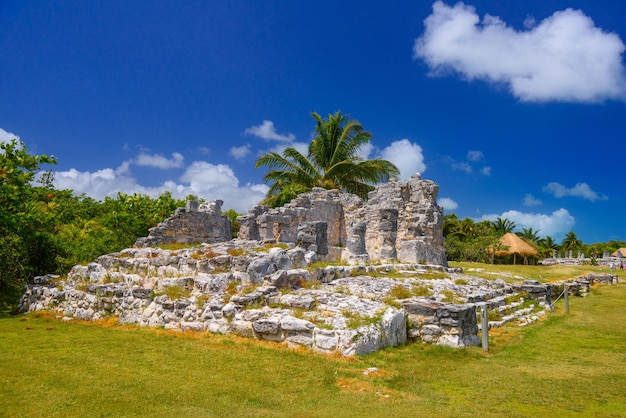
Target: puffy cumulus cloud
<point x="202" y="175"/>
<point x="556" y="224"/>
<point x="406" y="156"/>
<point x="6" y="136"/>
<point x="564" y="58"/>
<point x="530" y="200"/>
<point x="240" y="153"/>
<point x="159" y="161"/>
<point x="203" y="179"/>
<point x="447" y="203"/>
<point x="579" y="190"/>
<point x="267" y="131"/>
<point x="365" y="151"/>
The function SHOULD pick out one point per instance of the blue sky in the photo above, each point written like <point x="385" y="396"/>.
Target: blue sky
<point x="516" y="109"/>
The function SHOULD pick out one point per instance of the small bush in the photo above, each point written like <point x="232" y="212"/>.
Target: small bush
<point x="400" y="292"/>
<point x="448" y="295"/>
<point x="236" y="252"/>
<point x="175" y="292"/>
<point x="231" y="288"/>
<point x="422" y="291"/>
<point x="201" y="300"/>
<point x="355" y="320"/>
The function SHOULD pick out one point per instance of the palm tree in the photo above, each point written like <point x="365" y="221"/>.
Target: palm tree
<point x="529" y="234"/>
<point x="547" y="245"/>
<point x="571" y="242"/>
<point x="503" y="226"/>
<point x="332" y="162"/>
<point x="450" y="224"/>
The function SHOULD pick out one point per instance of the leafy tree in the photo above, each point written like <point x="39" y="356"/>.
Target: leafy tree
<point x="332" y="162"/>
<point x="233" y="215"/>
<point x="22" y="247"/>
<point x="467" y="240"/>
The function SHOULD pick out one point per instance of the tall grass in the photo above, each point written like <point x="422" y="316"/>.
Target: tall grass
<point x="567" y="365"/>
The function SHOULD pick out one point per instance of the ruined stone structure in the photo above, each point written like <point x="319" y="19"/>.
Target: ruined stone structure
<point x="274" y="293"/>
<point x="401" y="221"/>
<point x="267" y="285"/>
<point x="195" y="223"/>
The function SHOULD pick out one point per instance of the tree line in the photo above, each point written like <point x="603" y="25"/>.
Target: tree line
<point x="469" y="240"/>
<point x="45" y="230"/>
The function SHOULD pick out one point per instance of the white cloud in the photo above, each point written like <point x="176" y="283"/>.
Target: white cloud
<point x="301" y="147"/>
<point x="240" y="153"/>
<point x="579" y="190"/>
<point x="564" y="58"/>
<point x="555" y="225"/>
<point x="461" y="166"/>
<point x="530" y="200"/>
<point x="447" y="203"/>
<point x="6" y="136"/>
<point x="475" y="156"/>
<point x="267" y="131"/>
<point x="158" y="161"/>
<point x="202" y="175"/>
<point x="406" y="156"/>
<point x="470" y="164"/>
<point x="365" y="151"/>
<point x="203" y="179"/>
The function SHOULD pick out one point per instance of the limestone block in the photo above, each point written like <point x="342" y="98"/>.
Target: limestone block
<point x="450" y="341"/>
<point x="266" y="326"/>
<point x="259" y="268"/>
<point x="192" y="326"/>
<point x="242" y="328"/>
<point x="298" y="301"/>
<point x="325" y="340"/>
<point x="289" y="323"/>
<point x="356" y="238"/>
<point x="394" y="327"/>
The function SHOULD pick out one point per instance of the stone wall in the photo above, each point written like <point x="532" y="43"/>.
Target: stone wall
<point x="273" y="293"/>
<point x="401" y="221"/>
<point x="195" y="223"/>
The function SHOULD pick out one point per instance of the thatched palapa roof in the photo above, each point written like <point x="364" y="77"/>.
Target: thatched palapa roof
<point x="516" y="245"/>
<point x="621" y="250"/>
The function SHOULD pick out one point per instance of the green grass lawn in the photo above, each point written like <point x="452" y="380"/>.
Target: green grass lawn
<point x="566" y="365"/>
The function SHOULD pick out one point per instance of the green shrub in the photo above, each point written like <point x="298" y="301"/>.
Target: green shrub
<point x="400" y="292"/>
<point x="422" y="290"/>
<point x="175" y="292"/>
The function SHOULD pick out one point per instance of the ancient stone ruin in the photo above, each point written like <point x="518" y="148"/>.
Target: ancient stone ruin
<point x="400" y="221"/>
<point x="195" y="223"/>
<point x="390" y="283"/>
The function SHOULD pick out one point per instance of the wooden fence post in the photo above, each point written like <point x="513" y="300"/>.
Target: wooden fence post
<point x="566" y="295"/>
<point x="485" y="328"/>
